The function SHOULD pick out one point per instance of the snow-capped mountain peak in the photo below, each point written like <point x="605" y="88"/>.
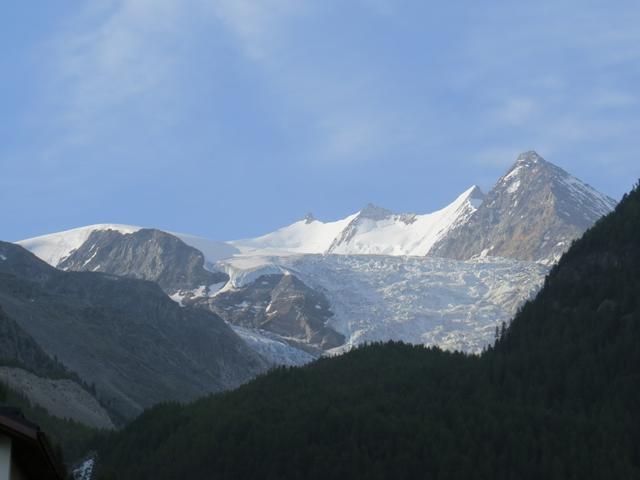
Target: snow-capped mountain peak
<point x="532" y="171"/>
<point x="528" y="158"/>
<point x="373" y="212"/>
<point x="512" y="181"/>
<point x="378" y="231"/>
<point x="474" y="196"/>
<point x="533" y="213"/>
<point x="385" y="279"/>
<point x="371" y="230"/>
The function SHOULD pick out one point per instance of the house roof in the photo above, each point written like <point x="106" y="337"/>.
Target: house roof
<point x="30" y="448"/>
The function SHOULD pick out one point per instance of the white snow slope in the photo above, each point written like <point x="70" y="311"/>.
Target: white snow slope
<point x="304" y="236"/>
<point x="372" y="230"/>
<point x="369" y="231"/>
<point x="384" y="233"/>
<point x="427" y="300"/>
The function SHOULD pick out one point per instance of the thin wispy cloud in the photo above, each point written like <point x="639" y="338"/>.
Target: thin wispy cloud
<point x="281" y="99"/>
<point x="260" y="27"/>
<point x="613" y="99"/>
<point x="127" y="54"/>
<point x="348" y="126"/>
<point x="120" y="56"/>
<point x="555" y="83"/>
<point x="516" y="111"/>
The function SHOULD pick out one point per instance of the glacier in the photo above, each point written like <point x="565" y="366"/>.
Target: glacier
<point x="434" y="301"/>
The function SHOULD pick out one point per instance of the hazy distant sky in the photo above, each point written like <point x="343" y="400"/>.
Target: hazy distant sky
<point x="230" y="118"/>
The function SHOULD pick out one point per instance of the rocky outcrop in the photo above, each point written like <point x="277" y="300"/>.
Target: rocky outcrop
<point x="146" y="254"/>
<point x="533" y="213"/>
<point x="124" y="336"/>
<point x="281" y="304"/>
<point x="179" y="270"/>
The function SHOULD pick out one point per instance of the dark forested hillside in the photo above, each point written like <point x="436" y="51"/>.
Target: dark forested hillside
<point x="555" y="398"/>
<point x="577" y="346"/>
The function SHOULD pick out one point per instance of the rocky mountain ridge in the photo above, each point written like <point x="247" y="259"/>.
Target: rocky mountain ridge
<point x="147" y="254"/>
<point x="123" y="335"/>
<point x="178" y="268"/>
<point x="533" y="213"/>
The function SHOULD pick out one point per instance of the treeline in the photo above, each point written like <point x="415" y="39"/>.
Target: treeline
<point x="555" y="398"/>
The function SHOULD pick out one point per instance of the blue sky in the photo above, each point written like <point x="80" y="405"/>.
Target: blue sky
<point x="230" y="118"/>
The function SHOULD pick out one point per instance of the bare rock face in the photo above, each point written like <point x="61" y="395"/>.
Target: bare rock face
<point x="123" y="335"/>
<point x="179" y="270"/>
<point x="147" y="254"/>
<point x="281" y="304"/>
<point x="533" y="213"/>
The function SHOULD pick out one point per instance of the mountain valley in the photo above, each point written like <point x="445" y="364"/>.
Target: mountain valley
<point x="445" y="278"/>
<point x="134" y="316"/>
